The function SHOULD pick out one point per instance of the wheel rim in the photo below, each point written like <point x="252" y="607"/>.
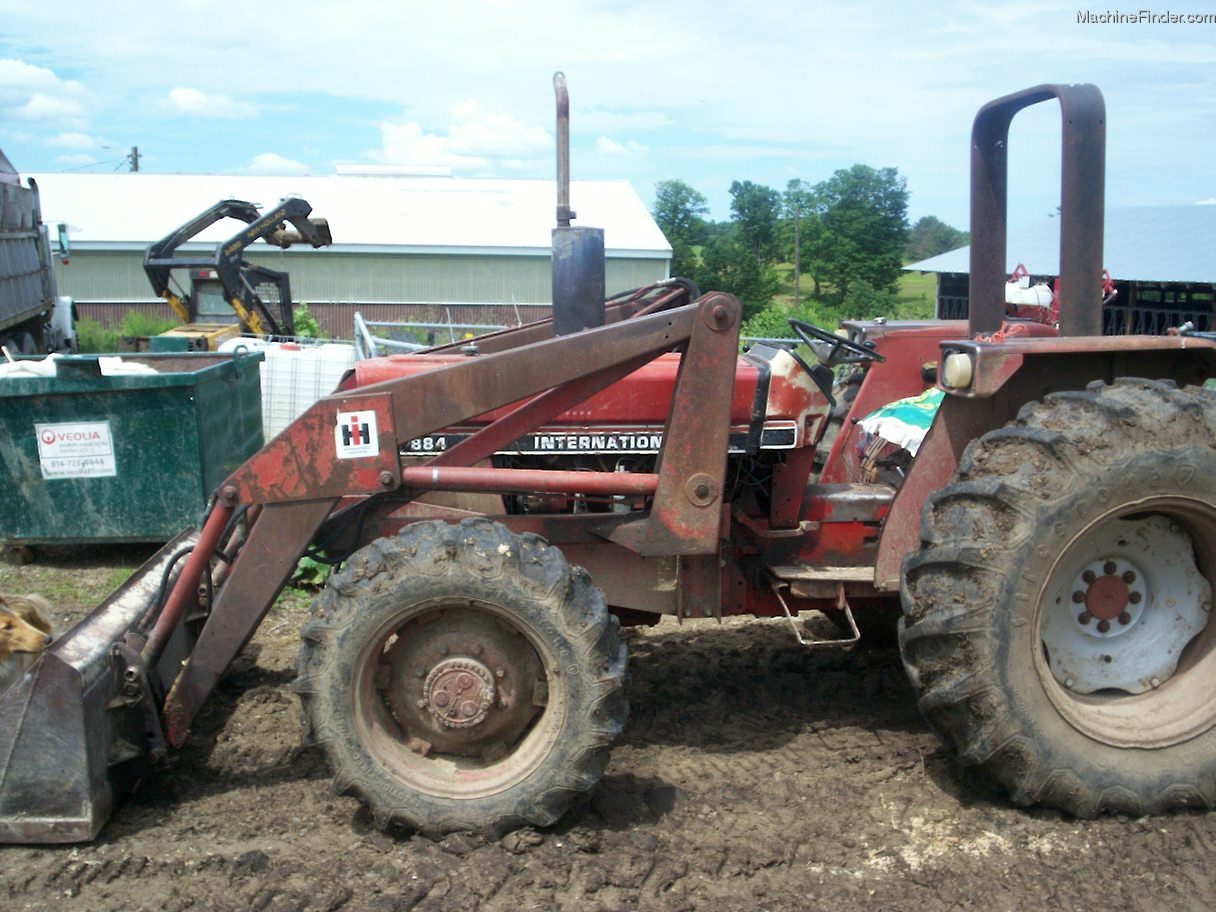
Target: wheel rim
<point x="458" y="698"/>
<point x="1123" y="622"/>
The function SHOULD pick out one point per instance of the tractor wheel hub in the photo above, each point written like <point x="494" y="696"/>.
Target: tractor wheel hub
<point x="1120" y="619"/>
<point x="459" y="692"/>
<point x="1111" y="596"/>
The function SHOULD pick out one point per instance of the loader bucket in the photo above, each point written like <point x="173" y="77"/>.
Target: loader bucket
<point x="82" y="724"/>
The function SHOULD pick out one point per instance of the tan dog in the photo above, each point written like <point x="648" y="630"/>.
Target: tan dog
<point x="24" y="632"/>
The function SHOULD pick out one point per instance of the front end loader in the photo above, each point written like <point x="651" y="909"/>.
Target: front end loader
<point x="498" y="507"/>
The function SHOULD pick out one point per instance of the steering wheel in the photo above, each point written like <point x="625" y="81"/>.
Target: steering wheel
<point x="811" y="334"/>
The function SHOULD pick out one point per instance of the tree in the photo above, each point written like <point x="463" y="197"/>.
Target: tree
<point x="863" y="213"/>
<point x="679" y="210"/>
<point x="797" y="204"/>
<point x="730" y="265"/>
<point x="931" y="236"/>
<point x="757" y="214"/>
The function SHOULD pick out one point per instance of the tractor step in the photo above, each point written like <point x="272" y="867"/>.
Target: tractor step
<point x="842" y="606"/>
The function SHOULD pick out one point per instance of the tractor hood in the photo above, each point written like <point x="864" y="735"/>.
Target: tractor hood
<point x="774" y="404"/>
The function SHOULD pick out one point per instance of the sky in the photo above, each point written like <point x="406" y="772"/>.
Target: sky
<point x="704" y="92"/>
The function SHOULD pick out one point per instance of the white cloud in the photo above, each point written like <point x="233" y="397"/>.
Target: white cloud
<point x="273" y="163"/>
<point x="476" y="141"/>
<point x="72" y="140"/>
<point x="480" y="132"/>
<point x="34" y="93"/>
<point x="607" y="146"/>
<point x="407" y="144"/>
<point x="182" y="100"/>
<point x="78" y="158"/>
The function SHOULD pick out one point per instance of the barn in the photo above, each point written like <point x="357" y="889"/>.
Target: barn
<point x="406" y="247"/>
<point x="1160" y="259"/>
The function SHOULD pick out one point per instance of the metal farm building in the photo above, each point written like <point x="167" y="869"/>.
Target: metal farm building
<point x="406" y="248"/>
<point x="1159" y="257"/>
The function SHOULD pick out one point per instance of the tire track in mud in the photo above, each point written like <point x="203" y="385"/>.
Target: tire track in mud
<point x="752" y="774"/>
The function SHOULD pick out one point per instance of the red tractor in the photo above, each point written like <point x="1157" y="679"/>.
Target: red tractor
<point x="499" y="506"/>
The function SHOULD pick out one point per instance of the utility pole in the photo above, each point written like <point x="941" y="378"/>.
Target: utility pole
<point x="133" y="158"/>
<point x="797" y="251"/>
<point x="796" y="199"/>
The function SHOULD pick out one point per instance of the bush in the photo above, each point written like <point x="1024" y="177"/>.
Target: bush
<point x="773" y="321"/>
<point x="92" y="338"/>
<point x="864" y="302"/>
<point x="307" y="326"/>
<point x="136" y="323"/>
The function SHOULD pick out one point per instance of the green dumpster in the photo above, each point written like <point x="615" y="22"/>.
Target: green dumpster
<point x="127" y="457"/>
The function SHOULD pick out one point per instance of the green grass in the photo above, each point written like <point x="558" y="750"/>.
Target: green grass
<point x="914" y="299"/>
<point x="918" y="292"/>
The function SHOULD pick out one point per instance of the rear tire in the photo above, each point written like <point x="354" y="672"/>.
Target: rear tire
<point x="461" y="677"/>
<point x="1056" y="617"/>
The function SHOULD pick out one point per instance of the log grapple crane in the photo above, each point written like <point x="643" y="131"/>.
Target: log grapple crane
<point x="227" y="294"/>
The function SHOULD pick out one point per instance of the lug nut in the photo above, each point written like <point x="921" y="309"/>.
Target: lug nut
<point x="1125" y="618"/>
<point x="1109" y="568"/>
<point x="1084" y="618"/>
<point x="1134" y="597"/>
<point x="1088" y="576"/>
<point x="1078" y="597"/>
<point x="1129" y="577"/>
<point x="1103" y="626"/>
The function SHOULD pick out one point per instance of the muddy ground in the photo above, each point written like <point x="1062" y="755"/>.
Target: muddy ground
<point x="753" y="774"/>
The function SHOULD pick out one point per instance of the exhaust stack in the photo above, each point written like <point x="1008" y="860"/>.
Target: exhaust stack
<point x="578" y="253"/>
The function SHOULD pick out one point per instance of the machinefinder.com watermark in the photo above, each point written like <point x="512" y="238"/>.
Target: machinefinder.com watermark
<point x="1143" y="17"/>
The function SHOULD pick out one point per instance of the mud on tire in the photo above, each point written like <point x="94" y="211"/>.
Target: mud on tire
<point x="461" y="677"/>
<point x="1038" y="608"/>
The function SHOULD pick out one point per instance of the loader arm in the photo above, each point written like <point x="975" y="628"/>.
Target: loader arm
<point x="349" y="444"/>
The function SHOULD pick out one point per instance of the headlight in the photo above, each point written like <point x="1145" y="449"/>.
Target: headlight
<point x="957" y="371"/>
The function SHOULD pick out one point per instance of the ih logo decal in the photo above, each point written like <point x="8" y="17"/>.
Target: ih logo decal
<point x="355" y="435"/>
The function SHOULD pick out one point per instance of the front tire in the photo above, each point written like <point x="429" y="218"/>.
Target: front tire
<point x="461" y="677"/>
<point x="1057" y="615"/>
